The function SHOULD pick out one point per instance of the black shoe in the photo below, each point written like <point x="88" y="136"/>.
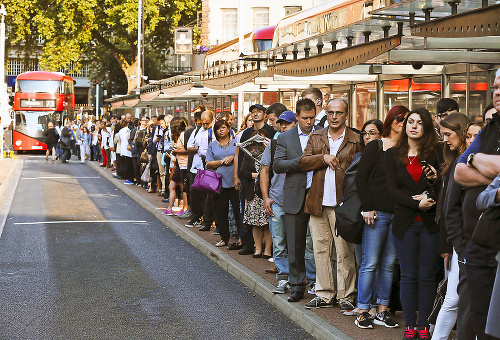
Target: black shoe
<point x="216" y="231"/>
<point x="194" y="222"/>
<point x="205" y="228"/>
<point x="363" y="320"/>
<point x="244" y="251"/>
<point x="257" y="256"/>
<point x="318" y="302"/>
<point x="165" y="200"/>
<point x="235" y="246"/>
<point x="296" y="296"/>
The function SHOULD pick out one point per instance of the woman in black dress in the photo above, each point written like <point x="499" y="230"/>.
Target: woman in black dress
<point x="51" y="141"/>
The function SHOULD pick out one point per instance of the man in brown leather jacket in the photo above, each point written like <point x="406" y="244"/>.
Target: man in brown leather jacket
<point x="329" y="152"/>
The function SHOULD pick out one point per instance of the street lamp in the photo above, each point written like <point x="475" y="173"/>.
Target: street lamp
<point x="3" y="87"/>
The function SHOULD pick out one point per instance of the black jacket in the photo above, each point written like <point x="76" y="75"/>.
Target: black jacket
<point x="245" y="174"/>
<point x="402" y="187"/>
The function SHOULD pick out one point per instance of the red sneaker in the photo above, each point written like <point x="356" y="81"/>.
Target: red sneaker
<point x="423" y="333"/>
<point x="410" y="333"/>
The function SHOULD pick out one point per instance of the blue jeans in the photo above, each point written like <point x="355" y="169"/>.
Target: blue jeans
<point x="280" y="252"/>
<point x="309" y="257"/>
<point x="418" y="258"/>
<point x="377" y="264"/>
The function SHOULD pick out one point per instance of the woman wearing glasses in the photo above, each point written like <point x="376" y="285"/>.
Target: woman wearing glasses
<point x="378" y="254"/>
<point x="412" y="178"/>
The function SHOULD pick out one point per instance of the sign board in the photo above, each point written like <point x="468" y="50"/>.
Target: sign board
<point x="183" y="40"/>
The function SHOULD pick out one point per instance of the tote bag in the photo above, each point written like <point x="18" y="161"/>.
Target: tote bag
<point x="207" y="181"/>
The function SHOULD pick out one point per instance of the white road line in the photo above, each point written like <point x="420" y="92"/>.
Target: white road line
<point x="68" y="222"/>
<point x="61" y="177"/>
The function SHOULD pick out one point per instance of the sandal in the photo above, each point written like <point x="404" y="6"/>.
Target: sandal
<point x="221" y="244"/>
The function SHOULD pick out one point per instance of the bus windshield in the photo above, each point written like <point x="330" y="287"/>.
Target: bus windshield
<point x="38" y="86"/>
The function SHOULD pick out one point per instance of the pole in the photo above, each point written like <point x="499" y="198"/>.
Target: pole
<point x="241" y="44"/>
<point x="3" y="89"/>
<point x="97" y="101"/>
<point x="139" y="36"/>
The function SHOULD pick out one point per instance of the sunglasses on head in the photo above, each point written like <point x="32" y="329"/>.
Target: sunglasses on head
<point x="399" y="118"/>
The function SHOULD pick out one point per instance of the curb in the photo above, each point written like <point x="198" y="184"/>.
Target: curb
<point x="303" y="317"/>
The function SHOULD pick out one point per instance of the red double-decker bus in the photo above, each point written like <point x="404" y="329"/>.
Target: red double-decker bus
<point x="40" y="97"/>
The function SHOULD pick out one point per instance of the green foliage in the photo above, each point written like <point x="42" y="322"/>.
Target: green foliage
<point x="100" y="30"/>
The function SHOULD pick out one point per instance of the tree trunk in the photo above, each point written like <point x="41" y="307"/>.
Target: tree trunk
<point x="131" y="71"/>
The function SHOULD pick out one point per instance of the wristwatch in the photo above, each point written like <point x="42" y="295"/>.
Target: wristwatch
<point x="470" y="159"/>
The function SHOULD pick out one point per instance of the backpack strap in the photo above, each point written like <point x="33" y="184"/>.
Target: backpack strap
<point x="322" y="121"/>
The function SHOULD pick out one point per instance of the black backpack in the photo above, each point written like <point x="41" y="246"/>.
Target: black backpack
<point x="348" y="219"/>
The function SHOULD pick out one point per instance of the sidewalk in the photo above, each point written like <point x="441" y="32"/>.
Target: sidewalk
<point x="10" y="170"/>
<point x="325" y="323"/>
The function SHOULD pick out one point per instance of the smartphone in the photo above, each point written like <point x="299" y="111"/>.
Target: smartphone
<point x="426" y="165"/>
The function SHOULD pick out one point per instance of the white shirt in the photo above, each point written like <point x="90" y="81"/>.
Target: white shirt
<point x="303" y="138"/>
<point x="124" y="136"/>
<point x="194" y="142"/>
<point x="202" y="151"/>
<point x="319" y="117"/>
<point x="330" y="188"/>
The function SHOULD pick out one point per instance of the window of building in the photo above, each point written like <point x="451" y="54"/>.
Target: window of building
<point x="260" y="17"/>
<point x="292" y="9"/>
<point x="229" y="23"/>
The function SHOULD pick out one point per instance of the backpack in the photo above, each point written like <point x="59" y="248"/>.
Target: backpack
<point x="348" y="219"/>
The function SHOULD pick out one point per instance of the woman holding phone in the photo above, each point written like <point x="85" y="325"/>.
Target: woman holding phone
<point x="415" y="233"/>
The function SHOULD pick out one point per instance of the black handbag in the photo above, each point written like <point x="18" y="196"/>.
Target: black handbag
<point x="348" y="219"/>
<point x="487" y="231"/>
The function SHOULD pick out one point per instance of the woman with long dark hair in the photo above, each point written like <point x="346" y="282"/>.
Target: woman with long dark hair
<point x="220" y="157"/>
<point x="180" y="157"/>
<point x="412" y="178"/>
<point x="452" y="129"/>
<point x="378" y="253"/>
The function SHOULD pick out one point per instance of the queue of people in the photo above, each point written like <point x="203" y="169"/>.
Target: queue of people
<point x="418" y="180"/>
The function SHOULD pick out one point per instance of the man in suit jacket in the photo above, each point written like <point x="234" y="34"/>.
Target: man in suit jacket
<point x="289" y="149"/>
<point x="329" y="153"/>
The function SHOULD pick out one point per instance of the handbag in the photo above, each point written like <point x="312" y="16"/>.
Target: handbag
<point x="65" y="140"/>
<point x="487" y="231"/>
<point x="144" y="156"/>
<point x="348" y="219"/>
<point x="133" y="147"/>
<point x="145" y="174"/>
<point x="207" y="181"/>
<point x="438" y="301"/>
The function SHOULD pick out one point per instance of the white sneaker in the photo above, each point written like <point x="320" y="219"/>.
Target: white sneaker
<point x="282" y="287"/>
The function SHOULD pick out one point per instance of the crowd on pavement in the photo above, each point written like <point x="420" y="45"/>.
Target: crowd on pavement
<point x="428" y="187"/>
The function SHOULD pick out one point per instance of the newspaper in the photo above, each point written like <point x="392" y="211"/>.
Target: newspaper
<point x="254" y="147"/>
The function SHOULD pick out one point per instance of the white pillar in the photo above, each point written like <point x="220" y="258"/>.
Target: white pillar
<point x="139" y="37"/>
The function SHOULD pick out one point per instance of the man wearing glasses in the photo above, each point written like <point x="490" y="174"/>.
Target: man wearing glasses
<point x="329" y="152"/>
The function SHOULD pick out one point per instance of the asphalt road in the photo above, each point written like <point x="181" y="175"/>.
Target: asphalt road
<point x="81" y="260"/>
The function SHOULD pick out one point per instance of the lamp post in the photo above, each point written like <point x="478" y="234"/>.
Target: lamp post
<point x="3" y="87"/>
<point x="139" y="37"/>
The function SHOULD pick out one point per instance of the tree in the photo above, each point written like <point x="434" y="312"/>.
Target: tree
<point x="72" y="29"/>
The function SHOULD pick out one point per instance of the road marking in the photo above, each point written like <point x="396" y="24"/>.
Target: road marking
<point x="62" y="177"/>
<point x="68" y="222"/>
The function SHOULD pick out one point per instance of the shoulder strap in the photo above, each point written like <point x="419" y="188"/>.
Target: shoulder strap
<point x="322" y="121"/>
<point x="209" y="135"/>
<point x="274" y="143"/>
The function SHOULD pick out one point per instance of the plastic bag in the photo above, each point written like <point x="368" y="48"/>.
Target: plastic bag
<point x="145" y="175"/>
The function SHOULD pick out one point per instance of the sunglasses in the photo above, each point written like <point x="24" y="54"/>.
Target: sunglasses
<point x="399" y="118"/>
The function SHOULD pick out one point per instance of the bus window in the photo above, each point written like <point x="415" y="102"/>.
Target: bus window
<point x="38" y="86"/>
